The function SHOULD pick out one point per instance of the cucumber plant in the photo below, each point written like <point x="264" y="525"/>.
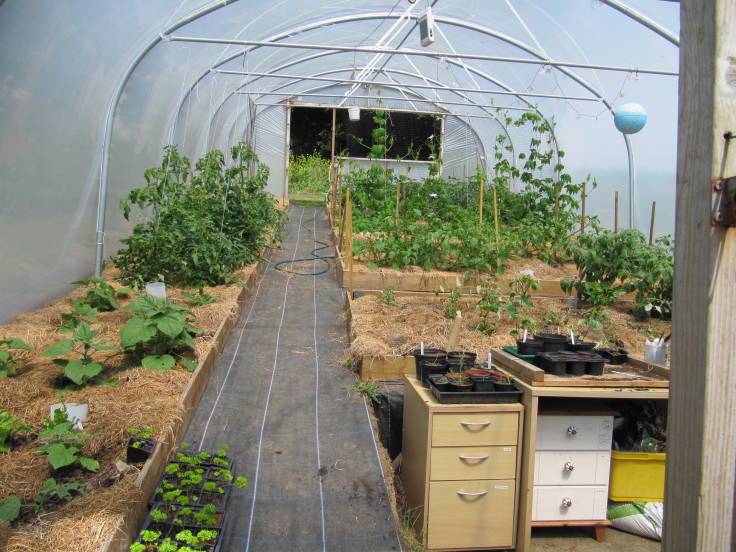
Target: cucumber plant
<point x="64" y="443"/>
<point x="101" y="295"/>
<point x="8" y="363"/>
<point x="83" y="370"/>
<point x="9" y="426"/>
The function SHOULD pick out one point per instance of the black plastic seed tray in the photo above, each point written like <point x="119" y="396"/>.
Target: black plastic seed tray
<point x="475" y="397"/>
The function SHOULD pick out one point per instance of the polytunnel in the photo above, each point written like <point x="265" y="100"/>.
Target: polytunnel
<point x="367" y="276"/>
<point x="93" y="91"/>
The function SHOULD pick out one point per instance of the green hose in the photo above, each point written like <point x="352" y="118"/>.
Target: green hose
<point x="314" y="257"/>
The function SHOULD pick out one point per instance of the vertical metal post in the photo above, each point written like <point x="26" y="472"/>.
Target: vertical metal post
<point x="615" y="213"/>
<point x="286" y="151"/>
<point x="632" y="179"/>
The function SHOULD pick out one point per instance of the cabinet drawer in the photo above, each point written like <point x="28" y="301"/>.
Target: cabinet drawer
<point x="555" y="503"/>
<point x="455" y="463"/>
<point x="574" y="432"/>
<point x="483" y="517"/>
<point x="482" y="428"/>
<point x="553" y="467"/>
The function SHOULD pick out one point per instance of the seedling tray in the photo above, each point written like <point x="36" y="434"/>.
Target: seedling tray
<point x="531" y="359"/>
<point x="475" y="397"/>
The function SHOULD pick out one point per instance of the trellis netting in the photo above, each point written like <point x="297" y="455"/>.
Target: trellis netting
<point x="91" y="91"/>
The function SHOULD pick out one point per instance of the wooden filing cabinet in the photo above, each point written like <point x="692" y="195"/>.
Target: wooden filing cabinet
<point x="572" y="464"/>
<point x="460" y="466"/>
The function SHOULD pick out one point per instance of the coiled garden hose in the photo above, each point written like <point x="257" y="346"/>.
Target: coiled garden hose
<point x="315" y="257"/>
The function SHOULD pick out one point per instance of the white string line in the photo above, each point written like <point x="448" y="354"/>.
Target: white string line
<point x="380" y="466"/>
<point x="270" y="386"/>
<point x="235" y="355"/>
<point x="316" y="388"/>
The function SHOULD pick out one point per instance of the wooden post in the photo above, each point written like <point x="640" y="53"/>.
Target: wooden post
<point x="701" y="441"/>
<point x="651" y="224"/>
<point x="333" y="169"/>
<point x="349" y="245"/>
<point x="480" y="212"/>
<point x="583" y="197"/>
<point x="615" y="213"/>
<point x="495" y="211"/>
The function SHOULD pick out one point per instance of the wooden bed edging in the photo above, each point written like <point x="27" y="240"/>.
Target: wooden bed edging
<point x="129" y="526"/>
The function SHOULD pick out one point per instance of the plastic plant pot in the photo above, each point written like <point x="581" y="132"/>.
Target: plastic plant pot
<point x="466" y="356"/>
<point x="529" y="347"/>
<point x="595" y="366"/>
<point x="139" y="449"/>
<point x="483" y="383"/>
<point x="503" y="384"/>
<point x="553" y="363"/>
<point x="576" y="366"/>
<point x="478" y="372"/>
<point x="552" y="342"/>
<point x="460" y="384"/>
<point x="428" y="355"/>
<point x="440" y="382"/>
<point x="431" y="368"/>
<point x="614" y="356"/>
<point x="581" y="346"/>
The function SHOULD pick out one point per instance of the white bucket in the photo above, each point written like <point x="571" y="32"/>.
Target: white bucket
<point x="354" y="113"/>
<point x="75" y="412"/>
<point x="655" y="351"/>
<point x="156" y="289"/>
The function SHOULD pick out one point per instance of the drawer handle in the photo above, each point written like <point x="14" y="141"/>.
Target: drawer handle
<point x="479" y="458"/>
<point x="472" y="494"/>
<point x="569" y="466"/>
<point x="566" y="502"/>
<point x="572" y="430"/>
<point x="475" y="423"/>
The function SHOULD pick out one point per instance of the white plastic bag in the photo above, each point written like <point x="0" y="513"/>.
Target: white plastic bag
<point x="640" y="518"/>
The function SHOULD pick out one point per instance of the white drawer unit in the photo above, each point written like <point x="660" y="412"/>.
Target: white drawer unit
<point x="571" y="468"/>
<point x="562" y="503"/>
<point x="574" y="432"/>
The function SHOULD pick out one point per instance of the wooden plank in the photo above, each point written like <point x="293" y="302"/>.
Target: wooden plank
<point x="701" y="472"/>
<point x="415" y="452"/>
<point x="386" y="368"/>
<point x="526" y="472"/>
<point x="518" y="367"/>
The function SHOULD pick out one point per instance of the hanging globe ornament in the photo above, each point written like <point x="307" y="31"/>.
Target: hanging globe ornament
<point x="630" y="118"/>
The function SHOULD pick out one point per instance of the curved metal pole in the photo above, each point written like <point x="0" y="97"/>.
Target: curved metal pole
<point x="644" y="20"/>
<point x="109" y="119"/>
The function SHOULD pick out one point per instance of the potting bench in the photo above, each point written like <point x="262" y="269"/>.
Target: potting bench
<point x="576" y="398"/>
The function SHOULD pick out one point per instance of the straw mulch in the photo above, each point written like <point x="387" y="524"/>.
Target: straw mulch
<point x="379" y="330"/>
<point x="139" y="399"/>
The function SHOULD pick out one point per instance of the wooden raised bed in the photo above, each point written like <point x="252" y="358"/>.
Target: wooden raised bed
<point x="634" y="373"/>
<point x="153" y="468"/>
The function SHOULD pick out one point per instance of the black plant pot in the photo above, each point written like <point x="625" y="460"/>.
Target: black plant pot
<point x="483" y="383"/>
<point x="529" y="347"/>
<point x="595" y="366"/>
<point x="464" y="385"/>
<point x="466" y="356"/>
<point x="614" y="356"/>
<point x="440" y="382"/>
<point x="431" y="368"/>
<point x="576" y="366"/>
<point x="552" y="342"/>
<point x="553" y="363"/>
<point x="139" y="449"/>
<point x="428" y="355"/>
<point x="504" y="385"/>
<point x="581" y="346"/>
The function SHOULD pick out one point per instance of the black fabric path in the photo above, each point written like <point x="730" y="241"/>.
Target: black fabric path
<point x="297" y="432"/>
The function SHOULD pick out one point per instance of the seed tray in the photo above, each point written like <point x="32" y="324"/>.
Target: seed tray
<point x="475" y="397"/>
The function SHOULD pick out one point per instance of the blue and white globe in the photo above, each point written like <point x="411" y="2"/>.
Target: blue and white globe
<point x="630" y="118"/>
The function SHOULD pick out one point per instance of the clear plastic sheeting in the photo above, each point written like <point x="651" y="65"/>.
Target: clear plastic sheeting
<point x="90" y="93"/>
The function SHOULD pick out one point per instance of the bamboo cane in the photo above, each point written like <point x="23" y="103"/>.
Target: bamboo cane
<point x="583" y="197"/>
<point x="615" y="213"/>
<point x="651" y="224"/>
<point x="480" y="215"/>
<point x="398" y="198"/>
<point x="349" y="224"/>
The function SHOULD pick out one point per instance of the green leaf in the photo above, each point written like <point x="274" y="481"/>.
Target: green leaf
<point x="61" y="455"/>
<point x="84" y="333"/>
<point x="61" y="347"/>
<point x="89" y="463"/>
<point x="159" y="363"/>
<point x="136" y="330"/>
<point x="188" y="364"/>
<point x="10" y="508"/>
<point x="79" y="372"/>
<point x="16" y="343"/>
<point x="172" y="324"/>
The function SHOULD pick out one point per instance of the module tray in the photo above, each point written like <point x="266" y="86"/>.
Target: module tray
<point x="475" y="397"/>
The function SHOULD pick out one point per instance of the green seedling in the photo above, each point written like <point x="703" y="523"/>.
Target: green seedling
<point x="8" y="364"/>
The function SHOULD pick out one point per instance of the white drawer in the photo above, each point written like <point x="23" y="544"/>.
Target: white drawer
<point x="572" y="467"/>
<point x="581" y="503"/>
<point x="574" y="432"/>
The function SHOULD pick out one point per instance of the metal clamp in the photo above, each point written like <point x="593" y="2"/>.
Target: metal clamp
<point x="566" y="502"/>
<point x="472" y="494"/>
<point x="572" y="430"/>
<point x="479" y="458"/>
<point x="569" y="466"/>
<point x="475" y="423"/>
